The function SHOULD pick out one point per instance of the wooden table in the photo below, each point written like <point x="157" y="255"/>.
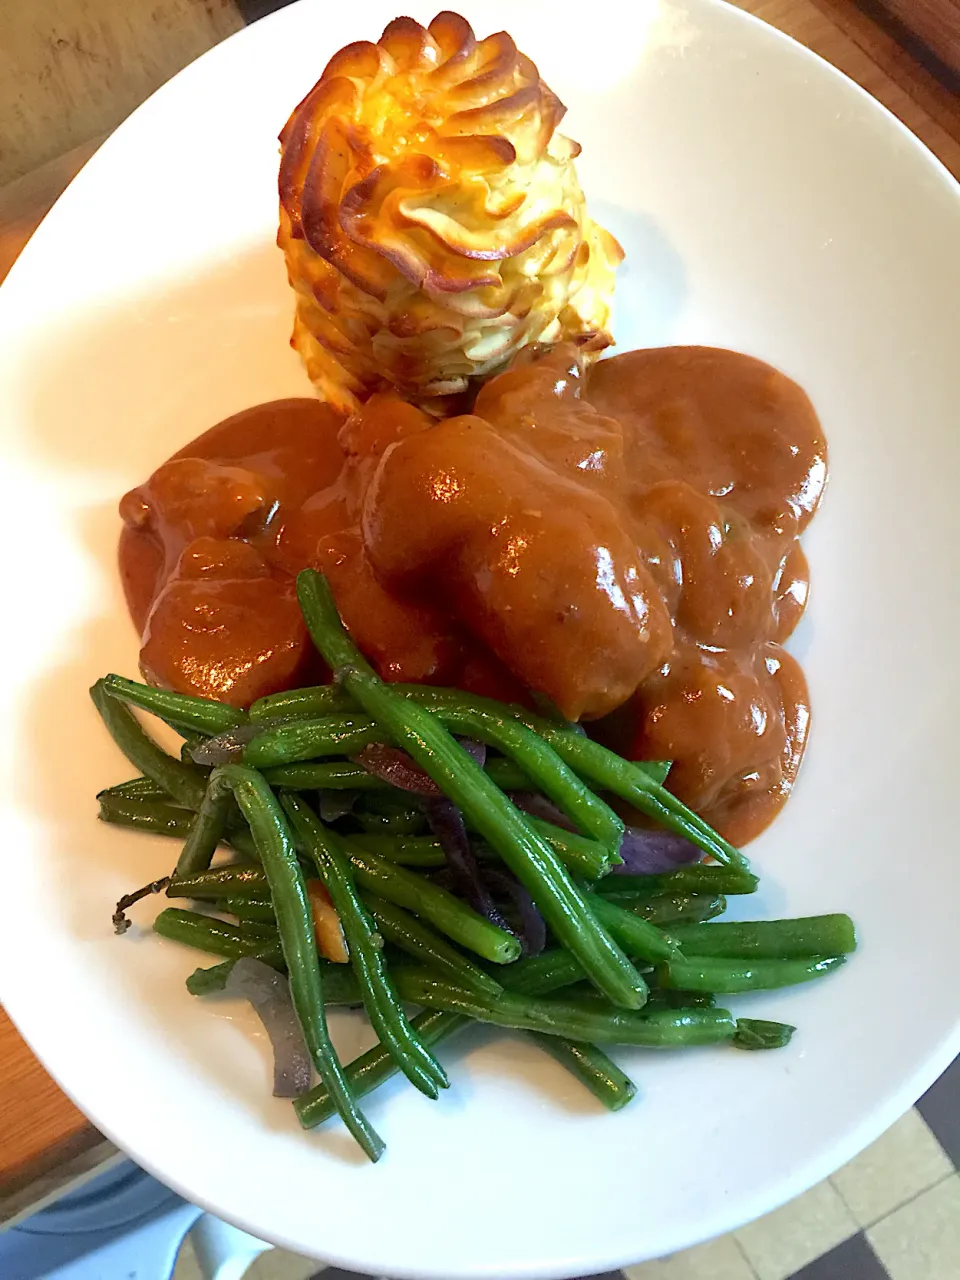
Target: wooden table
<point x="44" y="1140"/>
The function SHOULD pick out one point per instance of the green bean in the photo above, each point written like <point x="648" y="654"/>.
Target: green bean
<point x="295" y="920"/>
<point x="412" y="936"/>
<point x="609" y="772"/>
<point x="164" y="818"/>
<point x="203" y="715"/>
<point x="266" y="929"/>
<point x="556" y="976"/>
<point x="374" y="1067"/>
<point x="308" y="703"/>
<point x="405" y="821"/>
<point x="442" y="909"/>
<point x="159" y="817"/>
<point x="578" y="854"/>
<point x="656" y="770"/>
<point x="237" y="880"/>
<point x="549" y="971"/>
<point x="239" y="839"/>
<point x="298" y="741"/>
<point x="698" y="878"/>
<point x="204" y="982"/>
<point x="730" y="977"/>
<point x="380" y="999"/>
<point x="339" y="984"/>
<point x="337" y="735"/>
<point x="391" y="801"/>
<point x="592" y="1067"/>
<point x="831" y="935"/>
<point x="531" y="977"/>
<point x="554" y="969"/>
<point x="524" y="850"/>
<point x="658" y="1000"/>
<point x="757" y="1033"/>
<point x="593" y="762"/>
<point x="344" y="775"/>
<point x="329" y="775"/>
<point x="328" y="699"/>
<point x="209" y="827"/>
<point x="586" y="1061"/>
<point x="541" y="767"/>
<point x="408" y="851"/>
<point x="539" y="975"/>
<point x="582" y="856"/>
<point x="249" y="909"/>
<point x="206" y="933"/>
<point x="586" y="994"/>
<point x="589" y="1063"/>
<point x="637" y="936"/>
<point x="670" y="909"/>
<point x="576" y="1020"/>
<point x="507" y="774"/>
<point x="184" y="783"/>
<point x="135" y="789"/>
<point x="546" y="770"/>
<point x="662" y="999"/>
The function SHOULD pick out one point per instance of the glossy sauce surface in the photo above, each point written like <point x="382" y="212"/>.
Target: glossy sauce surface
<point x="625" y="543"/>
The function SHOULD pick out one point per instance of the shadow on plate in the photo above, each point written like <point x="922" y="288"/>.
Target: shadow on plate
<point x="651" y="282"/>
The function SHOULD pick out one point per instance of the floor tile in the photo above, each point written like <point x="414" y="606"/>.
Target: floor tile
<point x="852" y="1260"/>
<point x="334" y="1273"/>
<point x="940" y="1107"/>
<point x="721" y="1259"/>
<point x="787" y="1239"/>
<point x="921" y="1241"/>
<point x="278" y="1264"/>
<point x="906" y="1160"/>
<point x="186" y="1267"/>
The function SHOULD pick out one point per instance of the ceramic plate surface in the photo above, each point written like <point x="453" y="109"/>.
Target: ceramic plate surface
<point x="765" y="204"/>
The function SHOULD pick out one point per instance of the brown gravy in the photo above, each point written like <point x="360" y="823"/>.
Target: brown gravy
<point x="628" y="547"/>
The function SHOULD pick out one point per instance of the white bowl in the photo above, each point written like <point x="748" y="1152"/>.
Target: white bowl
<point x="766" y="204"/>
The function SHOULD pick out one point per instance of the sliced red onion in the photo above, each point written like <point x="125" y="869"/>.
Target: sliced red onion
<point x="442" y="877"/>
<point x="539" y="806"/>
<point x="477" y="750"/>
<point x="394" y="766"/>
<point x="269" y="993"/>
<point x="533" y="930"/>
<point x="643" y="850"/>
<point x="446" y="823"/>
<point x="225" y="748"/>
<point x="647" y="850"/>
